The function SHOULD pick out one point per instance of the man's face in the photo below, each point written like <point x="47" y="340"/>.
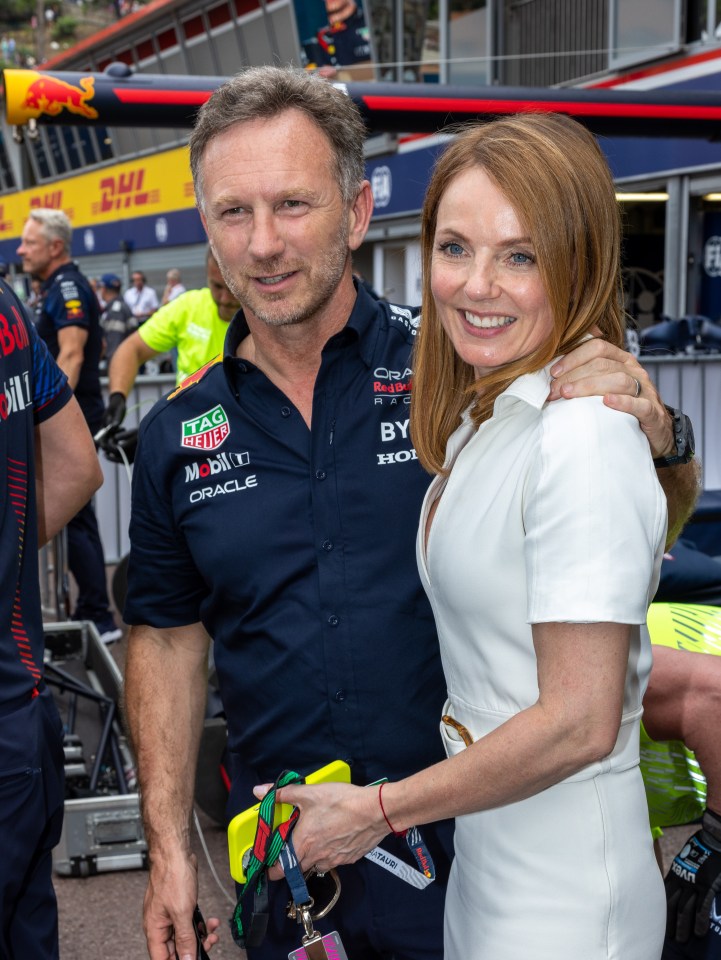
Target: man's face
<point x="36" y="251"/>
<point x="224" y="300"/>
<point x="275" y="218"/>
<point x="137" y="279"/>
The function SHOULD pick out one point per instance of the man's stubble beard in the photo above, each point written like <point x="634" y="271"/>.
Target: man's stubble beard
<point x="325" y="279"/>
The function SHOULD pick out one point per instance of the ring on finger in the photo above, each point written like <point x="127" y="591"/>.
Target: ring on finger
<point x="638" y="388"/>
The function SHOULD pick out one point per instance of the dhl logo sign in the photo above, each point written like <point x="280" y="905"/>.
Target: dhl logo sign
<point x="30" y="95"/>
<point x="51" y="201"/>
<point x="154" y="186"/>
<point x="6" y="226"/>
<point x="124" y="191"/>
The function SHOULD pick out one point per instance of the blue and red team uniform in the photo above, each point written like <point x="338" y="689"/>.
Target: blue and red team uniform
<point x="32" y="389"/>
<point x="68" y="300"/>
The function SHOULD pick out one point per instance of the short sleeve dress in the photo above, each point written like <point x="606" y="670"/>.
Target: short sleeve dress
<point x="551" y="512"/>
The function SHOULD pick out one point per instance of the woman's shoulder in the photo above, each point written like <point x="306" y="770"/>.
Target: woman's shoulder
<point x="588" y="421"/>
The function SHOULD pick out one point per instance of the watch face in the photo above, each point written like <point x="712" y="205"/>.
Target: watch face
<point x="684" y="436"/>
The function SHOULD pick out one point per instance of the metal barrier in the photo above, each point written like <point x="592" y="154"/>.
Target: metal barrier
<point x="112" y="501"/>
<point x="693" y="383"/>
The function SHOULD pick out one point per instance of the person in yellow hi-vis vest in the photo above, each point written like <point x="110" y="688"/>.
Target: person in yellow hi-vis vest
<point x="682" y="788"/>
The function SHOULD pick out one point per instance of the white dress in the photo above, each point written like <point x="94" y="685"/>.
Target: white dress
<point x="552" y="512"/>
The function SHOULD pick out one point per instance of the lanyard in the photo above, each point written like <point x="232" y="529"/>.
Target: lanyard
<point x="266" y="849"/>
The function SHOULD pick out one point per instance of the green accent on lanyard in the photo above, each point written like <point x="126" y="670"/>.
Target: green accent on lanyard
<point x="266" y="849"/>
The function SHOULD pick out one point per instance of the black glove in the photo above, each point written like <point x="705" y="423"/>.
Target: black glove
<point x="120" y="445"/>
<point x="114" y="413"/>
<point x="693" y="881"/>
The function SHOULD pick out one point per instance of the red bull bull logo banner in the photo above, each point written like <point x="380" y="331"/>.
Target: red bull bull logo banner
<point x="30" y="95"/>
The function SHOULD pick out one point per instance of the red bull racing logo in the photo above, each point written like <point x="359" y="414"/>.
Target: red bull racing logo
<point x="48" y="95"/>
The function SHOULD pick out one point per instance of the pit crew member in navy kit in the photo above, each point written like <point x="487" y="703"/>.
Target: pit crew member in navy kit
<point x="49" y="470"/>
<point x="291" y="542"/>
<point x="68" y="320"/>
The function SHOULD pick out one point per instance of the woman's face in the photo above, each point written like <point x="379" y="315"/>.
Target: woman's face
<point x="484" y="276"/>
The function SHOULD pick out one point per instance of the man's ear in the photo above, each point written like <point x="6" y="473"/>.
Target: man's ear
<point x="360" y="216"/>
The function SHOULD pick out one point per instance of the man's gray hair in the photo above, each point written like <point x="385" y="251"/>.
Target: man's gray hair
<point x="55" y="225"/>
<point x="260" y="93"/>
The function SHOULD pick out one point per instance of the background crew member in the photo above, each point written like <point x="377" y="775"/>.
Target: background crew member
<point x="141" y="298"/>
<point x="195" y="324"/>
<point x="299" y="560"/>
<point x="49" y="471"/>
<point x="173" y="286"/>
<point x="68" y="320"/>
<point x="117" y="320"/>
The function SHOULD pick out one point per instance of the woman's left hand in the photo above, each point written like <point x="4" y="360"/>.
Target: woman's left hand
<point x="338" y="823"/>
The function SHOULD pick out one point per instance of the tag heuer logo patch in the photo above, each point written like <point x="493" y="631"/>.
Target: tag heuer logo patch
<point x="206" y="432"/>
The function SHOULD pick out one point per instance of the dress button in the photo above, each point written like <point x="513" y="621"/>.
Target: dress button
<point x="339" y="696"/>
<point x="320" y="474"/>
<point x="333" y="620"/>
<point x="242" y="367"/>
<point x="285" y="411"/>
<point x="327" y="545"/>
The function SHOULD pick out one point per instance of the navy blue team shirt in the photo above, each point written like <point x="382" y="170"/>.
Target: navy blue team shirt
<point x="32" y="389"/>
<point x="68" y="300"/>
<point x="295" y="548"/>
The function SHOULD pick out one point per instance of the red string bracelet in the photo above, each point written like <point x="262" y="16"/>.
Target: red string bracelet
<point x="385" y="815"/>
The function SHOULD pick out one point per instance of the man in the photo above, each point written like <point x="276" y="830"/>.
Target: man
<point x="173" y="287"/>
<point x="276" y="502"/>
<point x="49" y="471"/>
<point x="141" y="298"/>
<point x="117" y="320"/>
<point x="68" y="320"/>
<point x="195" y="324"/>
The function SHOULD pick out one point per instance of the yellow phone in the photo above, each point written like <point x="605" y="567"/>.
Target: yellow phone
<point x="241" y="829"/>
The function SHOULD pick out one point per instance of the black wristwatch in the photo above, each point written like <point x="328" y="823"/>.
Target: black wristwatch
<point x="683" y="438"/>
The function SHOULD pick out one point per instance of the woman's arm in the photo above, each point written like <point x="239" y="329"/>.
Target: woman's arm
<point x="574" y="722"/>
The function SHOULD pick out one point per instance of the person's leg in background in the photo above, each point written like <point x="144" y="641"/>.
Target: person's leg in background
<point x="86" y="561"/>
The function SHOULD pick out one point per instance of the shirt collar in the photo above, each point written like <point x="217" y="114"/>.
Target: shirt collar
<point x="68" y="265"/>
<point x="532" y="388"/>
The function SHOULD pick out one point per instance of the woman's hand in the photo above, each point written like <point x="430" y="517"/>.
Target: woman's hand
<point x="338" y="823"/>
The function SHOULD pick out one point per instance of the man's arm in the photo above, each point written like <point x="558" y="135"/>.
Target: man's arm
<point x="67" y="469"/>
<point x="124" y="366"/>
<point x="682" y="486"/>
<point x="683" y="702"/>
<point x="165" y="693"/>
<point x="126" y="361"/>
<point x="71" y="341"/>
<point x="597" y="368"/>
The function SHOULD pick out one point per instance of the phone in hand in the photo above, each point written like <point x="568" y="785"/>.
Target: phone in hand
<point x="241" y="829"/>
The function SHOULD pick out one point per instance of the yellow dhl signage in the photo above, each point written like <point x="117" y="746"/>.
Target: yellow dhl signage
<point x="145" y="187"/>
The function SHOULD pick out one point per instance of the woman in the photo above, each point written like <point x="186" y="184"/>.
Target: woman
<point x="539" y="546"/>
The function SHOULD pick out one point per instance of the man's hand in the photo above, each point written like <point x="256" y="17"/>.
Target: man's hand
<point x="114" y="413"/>
<point x="597" y="368"/>
<point x="693" y="881"/>
<point x="168" y="910"/>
